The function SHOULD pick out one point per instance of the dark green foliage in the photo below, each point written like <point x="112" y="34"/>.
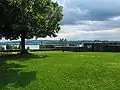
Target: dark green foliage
<point x="19" y="47"/>
<point x="34" y="18"/>
<point x="15" y="47"/>
<point x="63" y="42"/>
<point x="30" y="18"/>
<point x="9" y="47"/>
<point x="2" y="48"/>
<point x="28" y="48"/>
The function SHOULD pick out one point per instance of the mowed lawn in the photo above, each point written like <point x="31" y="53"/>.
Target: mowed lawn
<point x="61" y="71"/>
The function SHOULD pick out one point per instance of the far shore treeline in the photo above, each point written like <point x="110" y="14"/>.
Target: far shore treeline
<point x="38" y="42"/>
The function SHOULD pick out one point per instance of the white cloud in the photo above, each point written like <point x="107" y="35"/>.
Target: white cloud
<point x="75" y="33"/>
<point x="116" y="18"/>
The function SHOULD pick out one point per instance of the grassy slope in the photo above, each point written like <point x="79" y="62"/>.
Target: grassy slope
<point x="62" y="71"/>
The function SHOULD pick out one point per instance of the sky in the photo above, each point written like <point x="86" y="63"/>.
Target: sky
<point x="89" y="20"/>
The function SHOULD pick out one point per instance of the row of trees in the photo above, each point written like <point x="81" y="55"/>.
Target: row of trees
<point x="27" y="19"/>
<point x="63" y="42"/>
<point x="9" y="47"/>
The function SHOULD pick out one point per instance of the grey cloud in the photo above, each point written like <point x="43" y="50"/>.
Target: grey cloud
<point x="91" y="19"/>
<point x="101" y="25"/>
<point x="75" y="33"/>
<point x="99" y="10"/>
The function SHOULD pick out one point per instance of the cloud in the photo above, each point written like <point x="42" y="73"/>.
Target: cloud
<point x="77" y="33"/>
<point x="90" y="19"/>
<point x="93" y="10"/>
<point x="116" y="18"/>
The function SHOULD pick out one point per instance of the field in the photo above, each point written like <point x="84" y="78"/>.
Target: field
<point x="61" y="71"/>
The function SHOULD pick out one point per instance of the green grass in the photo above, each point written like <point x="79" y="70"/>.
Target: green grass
<point x="61" y="71"/>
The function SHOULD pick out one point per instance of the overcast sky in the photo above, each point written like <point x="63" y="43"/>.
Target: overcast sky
<point x="90" y="20"/>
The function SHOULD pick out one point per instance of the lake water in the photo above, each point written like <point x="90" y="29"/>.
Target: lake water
<point x="30" y="46"/>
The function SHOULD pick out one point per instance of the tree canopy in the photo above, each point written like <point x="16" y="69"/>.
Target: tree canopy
<point x="5" y="16"/>
<point x="26" y="19"/>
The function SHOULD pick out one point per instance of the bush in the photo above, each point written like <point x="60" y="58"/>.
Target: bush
<point x="15" y="47"/>
<point x="19" y="47"/>
<point x="28" y="48"/>
<point x="9" y="47"/>
<point x="2" y="48"/>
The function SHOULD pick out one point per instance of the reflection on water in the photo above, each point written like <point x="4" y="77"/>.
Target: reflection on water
<point x="30" y="46"/>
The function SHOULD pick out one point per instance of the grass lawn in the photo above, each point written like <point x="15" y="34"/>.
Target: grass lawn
<point x="61" y="71"/>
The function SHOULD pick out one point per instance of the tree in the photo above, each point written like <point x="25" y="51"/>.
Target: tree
<point x="32" y="18"/>
<point x="9" y="47"/>
<point x="15" y="47"/>
<point x="5" y="15"/>
<point x="63" y="42"/>
<point x="2" y="48"/>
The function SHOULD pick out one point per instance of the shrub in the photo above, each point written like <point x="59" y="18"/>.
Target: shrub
<point x="15" y="47"/>
<point x="28" y="48"/>
<point x="9" y="47"/>
<point x="19" y="47"/>
<point x="2" y="48"/>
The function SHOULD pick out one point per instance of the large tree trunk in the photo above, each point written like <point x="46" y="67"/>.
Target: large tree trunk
<point x="22" y="46"/>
